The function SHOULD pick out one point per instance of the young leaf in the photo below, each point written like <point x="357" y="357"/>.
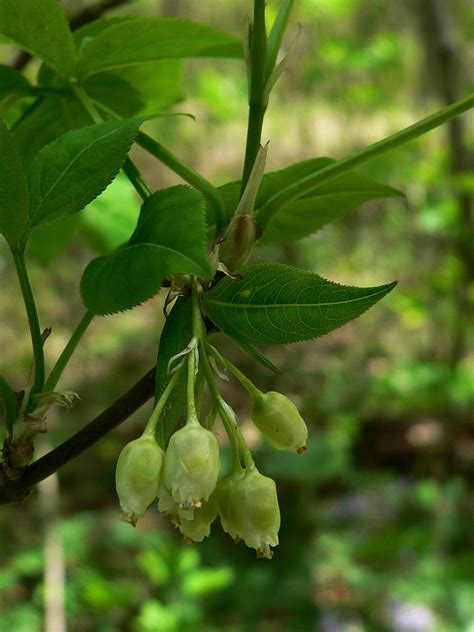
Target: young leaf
<point x="13" y="189"/>
<point x="279" y="304"/>
<point x="12" y="82"/>
<point x="147" y="39"/>
<point x="174" y="219"/>
<point x="169" y="239"/>
<point x="174" y="338"/>
<point x="8" y="403"/>
<point x="75" y="168"/>
<point x="311" y="212"/>
<point x="41" y="28"/>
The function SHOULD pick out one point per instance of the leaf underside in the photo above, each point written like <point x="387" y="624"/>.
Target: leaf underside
<point x="13" y="189"/>
<point x="175" y="336"/>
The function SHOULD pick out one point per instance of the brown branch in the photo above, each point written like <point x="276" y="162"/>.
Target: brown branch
<point x="17" y="490"/>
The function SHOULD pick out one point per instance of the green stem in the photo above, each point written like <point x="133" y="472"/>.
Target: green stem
<point x="257" y="106"/>
<point x="129" y="168"/>
<point x="68" y="350"/>
<point x="249" y="386"/>
<point x="192" y="417"/>
<point x="155" y="415"/>
<point x="186" y="172"/>
<point x="140" y="185"/>
<point x="322" y="177"/>
<point x="30" y="305"/>
<point x="200" y="334"/>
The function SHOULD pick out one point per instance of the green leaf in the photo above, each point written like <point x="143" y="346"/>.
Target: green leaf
<point x="174" y="219"/>
<point x="311" y="212"/>
<point x="12" y="82"/>
<point x="75" y="168"/>
<point x="279" y="304"/>
<point x="13" y="189"/>
<point x="45" y="120"/>
<point x="8" y="403"/>
<point x="174" y="338"/>
<point x="41" y="28"/>
<point x="169" y="239"/>
<point x="148" y="39"/>
<point x="156" y="84"/>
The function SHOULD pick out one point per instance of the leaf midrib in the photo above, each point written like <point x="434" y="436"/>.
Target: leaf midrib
<point x="45" y="197"/>
<point x="278" y="305"/>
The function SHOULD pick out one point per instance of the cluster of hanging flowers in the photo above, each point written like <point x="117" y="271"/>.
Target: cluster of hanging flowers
<point x="185" y="477"/>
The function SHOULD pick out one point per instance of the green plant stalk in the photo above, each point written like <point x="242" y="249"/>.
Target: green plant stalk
<point x="276" y="35"/>
<point x="32" y="313"/>
<point x="249" y="386"/>
<point x="150" y="428"/>
<point x="139" y="183"/>
<point x="186" y="172"/>
<point x="236" y="438"/>
<point x="322" y="177"/>
<point x="257" y="106"/>
<point x="129" y="168"/>
<point x="67" y="352"/>
<point x="199" y="333"/>
<point x="192" y="417"/>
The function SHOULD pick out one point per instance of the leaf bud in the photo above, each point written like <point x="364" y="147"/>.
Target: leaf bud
<point x="251" y="511"/>
<point x="137" y="476"/>
<point x="279" y="421"/>
<point x="191" y="465"/>
<point x="240" y="241"/>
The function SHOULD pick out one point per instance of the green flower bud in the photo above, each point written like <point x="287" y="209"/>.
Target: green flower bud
<point x="279" y="421"/>
<point x="199" y="526"/>
<point x="138" y="475"/>
<point x="191" y="465"/>
<point x="224" y="490"/>
<point x="251" y="512"/>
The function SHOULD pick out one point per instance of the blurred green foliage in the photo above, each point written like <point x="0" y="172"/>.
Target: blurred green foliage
<point x="378" y="515"/>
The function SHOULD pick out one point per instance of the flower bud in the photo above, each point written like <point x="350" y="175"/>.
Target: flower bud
<point x="279" y="421"/>
<point x="224" y="490"/>
<point x="251" y="512"/>
<point x="191" y="466"/>
<point x="137" y="476"/>
<point x="199" y="526"/>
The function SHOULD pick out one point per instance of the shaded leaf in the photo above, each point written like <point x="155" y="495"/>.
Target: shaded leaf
<point x="311" y="212"/>
<point x="13" y="189"/>
<point x="175" y="337"/>
<point x="148" y="39"/>
<point x="44" y="121"/>
<point x="279" y="304"/>
<point x="169" y="239"/>
<point x="41" y="28"/>
<point x="75" y="168"/>
<point x="12" y="82"/>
